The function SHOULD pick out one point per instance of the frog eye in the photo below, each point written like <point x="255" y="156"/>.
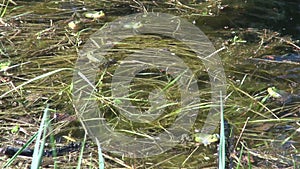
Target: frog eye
<point x="216" y="136"/>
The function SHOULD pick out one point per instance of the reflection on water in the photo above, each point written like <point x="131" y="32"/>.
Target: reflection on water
<point x="277" y="15"/>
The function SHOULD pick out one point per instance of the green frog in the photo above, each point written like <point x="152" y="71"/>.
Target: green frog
<point x="205" y="139"/>
<point x="133" y="25"/>
<point x="4" y="66"/>
<point x="94" y="14"/>
<point x="283" y="96"/>
<point x="275" y="93"/>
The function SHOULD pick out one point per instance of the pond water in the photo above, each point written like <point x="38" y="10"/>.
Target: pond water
<point x="259" y="49"/>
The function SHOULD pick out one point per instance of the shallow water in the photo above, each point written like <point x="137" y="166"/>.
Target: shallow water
<point x="39" y="33"/>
